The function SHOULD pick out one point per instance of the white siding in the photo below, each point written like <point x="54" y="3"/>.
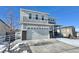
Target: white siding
<point x="34" y="29"/>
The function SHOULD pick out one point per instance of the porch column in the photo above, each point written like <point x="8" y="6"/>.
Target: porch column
<point x="60" y="30"/>
<point x="53" y="32"/>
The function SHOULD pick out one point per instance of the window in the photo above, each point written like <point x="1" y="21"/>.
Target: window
<point x="24" y="18"/>
<point x="36" y="16"/>
<point x="42" y="17"/>
<point x="30" y="16"/>
<point x="53" y="21"/>
<point x="28" y="27"/>
<point x="24" y="27"/>
<point x="48" y="19"/>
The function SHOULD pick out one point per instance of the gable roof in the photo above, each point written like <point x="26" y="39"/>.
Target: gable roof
<point x="68" y="27"/>
<point x="4" y="23"/>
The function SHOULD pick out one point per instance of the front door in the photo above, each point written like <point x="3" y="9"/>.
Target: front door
<point x="24" y="35"/>
<point x="51" y="34"/>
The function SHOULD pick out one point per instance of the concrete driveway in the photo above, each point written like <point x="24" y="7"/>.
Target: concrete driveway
<point x="54" y="47"/>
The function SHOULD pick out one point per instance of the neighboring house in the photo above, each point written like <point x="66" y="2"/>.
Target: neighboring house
<point x="77" y="34"/>
<point x="4" y="28"/>
<point x="36" y="25"/>
<point x="68" y="31"/>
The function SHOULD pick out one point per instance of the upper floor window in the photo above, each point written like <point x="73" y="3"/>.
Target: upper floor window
<point x="49" y="19"/>
<point x="24" y="18"/>
<point x="28" y="27"/>
<point x="30" y="16"/>
<point x="36" y="16"/>
<point x="52" y="21"/>
<point x="42" y="17"/>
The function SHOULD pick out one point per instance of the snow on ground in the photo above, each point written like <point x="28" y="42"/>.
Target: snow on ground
<point x="54" y="45"/>
<point x="2" y="48"/>
<point x="72" y="42"/>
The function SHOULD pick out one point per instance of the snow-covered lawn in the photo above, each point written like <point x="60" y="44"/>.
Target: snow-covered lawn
<point x="2" y="48"/>
<point x="73" y="42"/>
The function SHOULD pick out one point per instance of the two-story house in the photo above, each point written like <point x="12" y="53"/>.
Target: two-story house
<point x="36" y="25"/>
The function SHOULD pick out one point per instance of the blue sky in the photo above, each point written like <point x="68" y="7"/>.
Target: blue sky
<point x="65" y="15"/>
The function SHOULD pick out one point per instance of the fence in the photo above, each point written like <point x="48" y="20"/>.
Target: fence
<point x="5" y="42"/>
